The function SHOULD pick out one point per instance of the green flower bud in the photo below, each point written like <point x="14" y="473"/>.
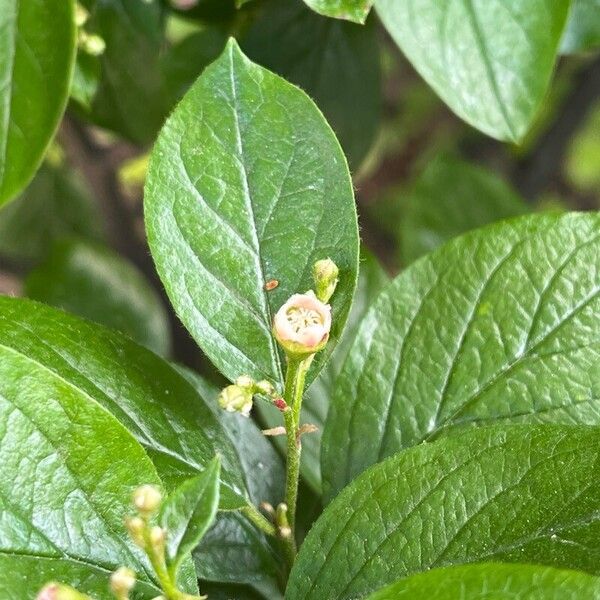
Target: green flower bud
<point x="235" y="398"/>
<point x="147" y="499"/>
<point x="265" y="387"/>
<point x="325" y="273"/>
<point x="122" y="582"/>
<point x="137" y="528"/>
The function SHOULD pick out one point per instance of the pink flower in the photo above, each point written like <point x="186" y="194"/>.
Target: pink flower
<point x="302" y="324"/>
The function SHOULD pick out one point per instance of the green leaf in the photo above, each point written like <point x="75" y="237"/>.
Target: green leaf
<point x="160" y="408"/>
<point x="235" y="550"/>
<point x="490" y="61"/>
<point x="131" y="97"/>
<point x="56" y="204"/>
<point x="315" y="404"/>
<point x="582" y="32"/>
<point x="528" y="493"/>
<point x="498" y="325"/>
<point x="189" y="511"/>
<point x="68" y="474"/>
<point x="351" y="10"/>
<point x="96" y="283"/>
<point x="493" y="580"/>
<point x="220" y="591"/>
<point x="336" y="63"/>
<point x="449" y="198"/>
<point x="86" y="79"/>
<point x="237" y="195"/>
<point x="36" y="63"/>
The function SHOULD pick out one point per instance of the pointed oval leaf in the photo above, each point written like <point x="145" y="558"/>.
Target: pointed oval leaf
<point x="36" y="63"/>
<point x="238" y="194"/>
<point x="500" y="324"/>
<point x="156" y="404"/>
<point x="494" y="580"/>
<point x="69" y="469"/>
<point x="350" y="10"/>
<point x="517" y="493"/>
<point x="582" y="32"/>
<point x="489" y="60"/>
<point x="96" y="283"/>
<point x="189" y="511"/>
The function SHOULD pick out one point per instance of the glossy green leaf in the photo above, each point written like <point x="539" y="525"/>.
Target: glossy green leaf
<point x="582" y="32"/>
<point x="219" y="591"/>
<point x="493" y="581"/>
<point x="449" y="198"/>
<point x="336" y="63"/>
<point x="68" y="474"/>
<point x="234" y="550"/>
<point x="158" y="406"/>
<point x="351" y="10"/>
<point x="500" y="324"/>
<point x="131" y="97"/>
<point x="528" y="493"/>
<point x="56" y="204"/>
<point x="86" y="78"/>
<point x="489" y="60"/>
<point x="189" y="511"/>
<point x="36" y="62"/>
<point x="315" y="404"/>
<point x="237" y="195"/>
<point x="93" y="282"/>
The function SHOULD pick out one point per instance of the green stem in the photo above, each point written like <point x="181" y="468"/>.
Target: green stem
<point x="257" y="518"/>
<point x="157" y="560"/>
<point x="292" y="394"/>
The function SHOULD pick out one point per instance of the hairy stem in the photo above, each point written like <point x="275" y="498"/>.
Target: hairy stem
<point x="263" y="524"/>
<point x="294" y="388"/>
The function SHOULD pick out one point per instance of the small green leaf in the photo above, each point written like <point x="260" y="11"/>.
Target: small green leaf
<point x="498" y="325"/>
<point x="336" y="63"/>
<point x="86" y="79"/>
<point x="350" y="10"/>
<point x="489" y="60"/>
<point x="449" y="198"/>
<point x="582" y="32"/>
<point x="189" y="511"/>
<point x="237" y="195"/>
<point x="56" y="204"/>
<point x="493" y="580"/>
<point x="516" y="493"/>
<point x="93" y="282"/>
<point x="158" y="406"/>
<point x="36" y="63"/>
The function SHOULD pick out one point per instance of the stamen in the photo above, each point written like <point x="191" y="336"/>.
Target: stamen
<point x="301" y="318"/>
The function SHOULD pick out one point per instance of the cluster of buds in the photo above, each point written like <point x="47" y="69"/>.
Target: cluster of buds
<point x="90" y="43"/>
<point x="146" y="500"/>
<point x="122" y="582"/>
<point x="238" y="397"/>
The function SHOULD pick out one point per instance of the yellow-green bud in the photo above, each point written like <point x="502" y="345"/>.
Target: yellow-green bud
<point x="81" y="15"/>
<point x="122" y="582"/>
<point x="157" y="536"/>
<point x="147" y="499"/>
<point x="265" y="387"/>
<point x="91" y="44"/>
<point x="325" y="273"/>
<point x="235" y="398"/>
<point x="245" y="381"/>
<point x="137" y="528"/>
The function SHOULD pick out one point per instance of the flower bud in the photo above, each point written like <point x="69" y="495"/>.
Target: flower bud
<point x="157" y="537"/>
<point x="245" y="381"/>
<point x="136" y="527"/>
<point x="302" y="324"/>
<point x="57" y="591"/>
<point x="325" y="273"/>
<point x="265" y="387"/>
<point x="122" y="582"/>
<point x="91" y="44"/>
<point x="81" y="15"/>
<point x="147" y="499"/>
<point x="235" y="398"/>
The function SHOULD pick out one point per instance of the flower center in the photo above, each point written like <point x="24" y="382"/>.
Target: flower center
<point x="301" y="318"/>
